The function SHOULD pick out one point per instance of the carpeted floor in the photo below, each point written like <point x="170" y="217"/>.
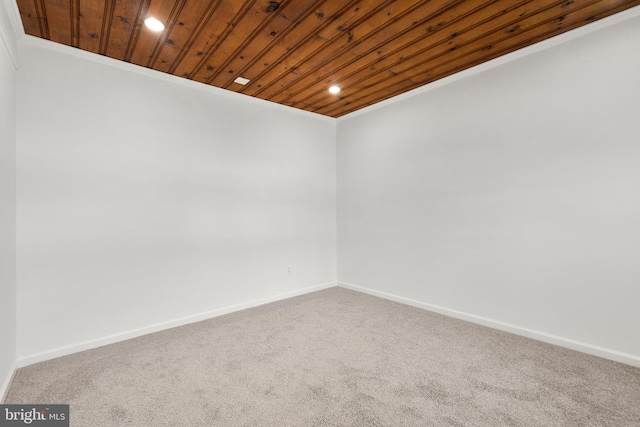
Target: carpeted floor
<point x="334" y="358"/>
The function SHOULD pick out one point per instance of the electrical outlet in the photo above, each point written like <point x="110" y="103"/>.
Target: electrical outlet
<point x="288" y="270"/>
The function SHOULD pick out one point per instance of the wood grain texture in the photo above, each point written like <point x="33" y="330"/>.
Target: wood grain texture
<point x="374" y="50"/>
<point x="31" y="18"/>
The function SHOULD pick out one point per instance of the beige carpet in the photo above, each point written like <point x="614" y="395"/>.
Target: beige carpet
<point x="334" y="358"/>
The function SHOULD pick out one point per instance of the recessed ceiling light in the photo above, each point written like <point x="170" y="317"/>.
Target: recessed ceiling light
<point x="334" y="89"/>
<point x="153" y="24"/>
<point x="241" y="81"/>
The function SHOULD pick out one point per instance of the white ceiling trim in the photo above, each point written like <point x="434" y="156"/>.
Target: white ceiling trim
<point x="127" y="66"/>
<point x="10" y="35"/>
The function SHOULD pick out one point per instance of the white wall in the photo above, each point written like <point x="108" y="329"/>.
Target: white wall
<point x="143" y="200"/>
<point x="509" y="196"/>
<point x="512" y="195"/>
<point x="7" y="200"/>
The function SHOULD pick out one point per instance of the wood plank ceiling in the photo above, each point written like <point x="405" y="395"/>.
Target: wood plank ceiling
<point x="293" y="50"/>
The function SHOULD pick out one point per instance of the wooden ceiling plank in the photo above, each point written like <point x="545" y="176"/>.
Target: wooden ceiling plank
<point x="31" y="20"/>
<point x="205" y="39"/>
<point x="282" y="50"/>
<point x="107" y="20"/>
<point x="58" y="15"/>
<point x="148" y="42"/>
<point x="244" y="20"/>
<point x="463" y="14"/>
<point x="508" y="43"/>
<point x="121" y="27"/>
<point x="134" y="36"/>
<point x="300" y="105"/>
<point x="545" y="30"/>
<point x="164" y="40"/>
<point x="325" y="73"/>
<point x="191" y="22"/>
<point x="43" y="19"/>
<point x="287" y="19"/>
<point x="500" y="30"/>
<point x="446" y="55"/>
<point x="264" y="21"/>
<point x="351" y="108"/>
<point x="351" y="35"/>
<point x="456" y="30"/>
<point x="432" y="54"/>
<point x="379" y="59"/>
<point x="74" y="18"/>
<point x="348" y="21"/>
<point x="342" y="38"/>
<point x="295" y="47"/>
<point x="91" y="24"/>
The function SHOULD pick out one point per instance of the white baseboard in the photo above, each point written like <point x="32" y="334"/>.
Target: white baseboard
<point x="595" y="350"/>
<point x="111" y="339"/>
<point x="7" y="381"/>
